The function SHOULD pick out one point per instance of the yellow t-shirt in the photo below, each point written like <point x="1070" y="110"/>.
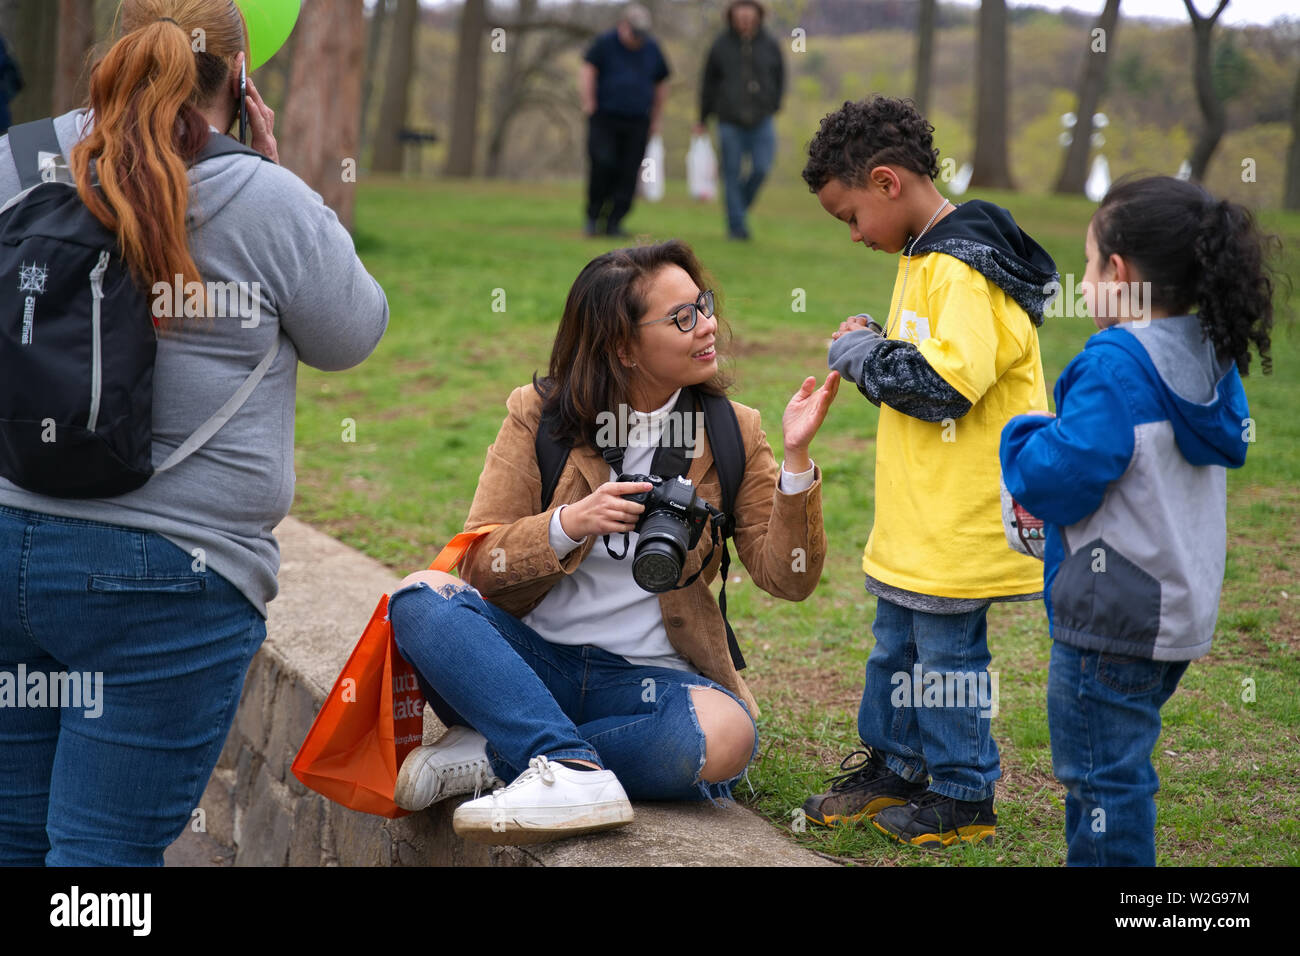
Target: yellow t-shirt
<point x="938" y="525"/>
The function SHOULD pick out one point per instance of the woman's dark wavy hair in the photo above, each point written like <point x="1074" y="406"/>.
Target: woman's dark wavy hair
<point x="1195" y="251"/>
<point x="605" y="303"/>
<point x="873" y="132"/>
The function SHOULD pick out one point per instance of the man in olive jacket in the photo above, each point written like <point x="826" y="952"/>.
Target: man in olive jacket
<point x="744" y="78"/>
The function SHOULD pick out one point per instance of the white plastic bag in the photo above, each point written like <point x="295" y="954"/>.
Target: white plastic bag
<point x="650" y="182"/>
<point x="702" y="169"/>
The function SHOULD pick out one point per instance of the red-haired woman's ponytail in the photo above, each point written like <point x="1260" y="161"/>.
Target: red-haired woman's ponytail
<point x="145" y="132"/>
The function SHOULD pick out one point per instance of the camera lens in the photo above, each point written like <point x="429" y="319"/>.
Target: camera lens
<point x="660" y="550"/>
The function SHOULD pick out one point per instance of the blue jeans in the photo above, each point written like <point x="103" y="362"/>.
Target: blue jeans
<point x="759" y="142"/>
<point x="110" y="772"/>
<point x="928" y="700"/>
<point x="1103" y="711"/>
<point x="530" y="697"/>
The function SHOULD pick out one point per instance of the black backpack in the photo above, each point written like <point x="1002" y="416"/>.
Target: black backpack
<point x="77" y="341"/>
<point x="728" y="448"/>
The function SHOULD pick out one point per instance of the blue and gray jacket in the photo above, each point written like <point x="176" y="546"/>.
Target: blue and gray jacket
<point x="1130" y="480"/>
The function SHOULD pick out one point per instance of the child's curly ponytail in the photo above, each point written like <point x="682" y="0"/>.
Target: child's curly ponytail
<point x="1194" y="251"/>
<point x="1234" y="292"/>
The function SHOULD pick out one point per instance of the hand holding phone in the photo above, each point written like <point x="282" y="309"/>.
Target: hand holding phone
<point x="256" y="119"/>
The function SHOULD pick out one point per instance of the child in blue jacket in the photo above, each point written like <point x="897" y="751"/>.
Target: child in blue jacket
<point x="1129" y="478"/>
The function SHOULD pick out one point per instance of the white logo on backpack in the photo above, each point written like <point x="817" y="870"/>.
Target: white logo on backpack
<point x="30" y="279"/>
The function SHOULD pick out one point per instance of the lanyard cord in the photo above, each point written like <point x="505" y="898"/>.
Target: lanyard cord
<point x="898" y="309"/>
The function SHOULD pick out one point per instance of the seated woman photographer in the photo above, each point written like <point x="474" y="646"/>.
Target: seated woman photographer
<point x="581" y="688"/>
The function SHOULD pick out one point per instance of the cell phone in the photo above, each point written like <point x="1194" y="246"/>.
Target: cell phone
<point x="243" y="103"/>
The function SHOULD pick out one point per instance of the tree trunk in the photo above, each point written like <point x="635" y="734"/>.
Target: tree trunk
<point x="1291" y="195"/>
<point x="387" y="157"/>
<point x="924" y="54"/>
<point x="1212" y="110"/>
<point x="1074" y="168"/>
<point x="373" y="35"/>
<point x="510" y="90"/>
<point x="34" y="46"/>
<point x="991" y="167"/>
<point x="76" y="37"/>
<point x="465" y="89"/>
<point x="323" y="113"/>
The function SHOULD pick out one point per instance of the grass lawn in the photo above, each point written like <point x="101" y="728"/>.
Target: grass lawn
<point x="476" y="275"/>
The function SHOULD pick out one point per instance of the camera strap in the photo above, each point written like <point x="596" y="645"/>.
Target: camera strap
<point x="669" y="458"/>
<point x="728" y="457"/>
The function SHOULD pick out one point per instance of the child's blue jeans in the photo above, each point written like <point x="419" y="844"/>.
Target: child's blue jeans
<point x="947" y="733"/>
<point x="163" y="649"/>
<point x="1103" y="711"/>
<point x="530" y="697"/>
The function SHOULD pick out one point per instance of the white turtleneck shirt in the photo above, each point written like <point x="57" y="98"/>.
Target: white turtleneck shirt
<point x="600" y="603"/>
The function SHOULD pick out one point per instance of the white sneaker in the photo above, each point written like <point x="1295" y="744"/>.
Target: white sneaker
<point x="548" y="801"/>
<point x="456" y="764"/>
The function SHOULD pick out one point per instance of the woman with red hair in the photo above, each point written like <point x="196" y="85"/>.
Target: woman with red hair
<point x="153" y="602"/>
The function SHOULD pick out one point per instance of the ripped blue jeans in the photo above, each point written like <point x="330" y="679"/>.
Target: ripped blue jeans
<point x="530" y="697"/>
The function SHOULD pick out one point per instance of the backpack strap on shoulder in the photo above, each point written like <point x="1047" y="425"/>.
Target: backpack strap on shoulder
<point x="32" y="145"/>
<point x="728" y="451"/>
<point x="729" y="458"/>
<point x="551" y="457"/>
<point x="219" y="144"/>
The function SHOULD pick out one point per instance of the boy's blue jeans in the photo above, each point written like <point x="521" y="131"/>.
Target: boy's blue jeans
<point x="530" y="697"/>
<point x="759" y="142"/>
<point x="1103" y="711"/>
<point x="946" y="734"/>
<point x="110" y="779"/>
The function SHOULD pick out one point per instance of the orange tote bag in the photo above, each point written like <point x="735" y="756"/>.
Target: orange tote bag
<point x="373" y="716"/>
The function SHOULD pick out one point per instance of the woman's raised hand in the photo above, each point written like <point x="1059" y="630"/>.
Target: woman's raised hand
<point x="803" y="416"/>
<point x="604" y="511"/>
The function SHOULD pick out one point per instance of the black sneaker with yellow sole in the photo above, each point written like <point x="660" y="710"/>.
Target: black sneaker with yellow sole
<point x="863" y="790"/>
<point x="933" y="820"/>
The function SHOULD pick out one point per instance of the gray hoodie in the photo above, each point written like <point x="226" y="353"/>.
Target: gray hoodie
<point x="250" y="221"/>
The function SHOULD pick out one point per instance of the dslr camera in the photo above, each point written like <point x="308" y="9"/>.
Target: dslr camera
<point x="669" y="527"/>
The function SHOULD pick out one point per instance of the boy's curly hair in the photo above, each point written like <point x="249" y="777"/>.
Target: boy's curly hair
<point x="872" y="132"/>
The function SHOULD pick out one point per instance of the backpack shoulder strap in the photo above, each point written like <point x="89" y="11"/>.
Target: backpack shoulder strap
<point x="222" y="414"/>
<point x="551" y="457"/>
<point x="219" y="144"/>
<point x="728" y="449"/>
<point x="28" y="142"/>
<point x="729" y="458"/>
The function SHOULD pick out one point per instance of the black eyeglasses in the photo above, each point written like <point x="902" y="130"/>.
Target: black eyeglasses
<point x="686" y="316"/>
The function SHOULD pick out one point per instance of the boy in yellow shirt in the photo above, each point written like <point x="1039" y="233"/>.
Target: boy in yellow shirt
<point x="956" y="358"/>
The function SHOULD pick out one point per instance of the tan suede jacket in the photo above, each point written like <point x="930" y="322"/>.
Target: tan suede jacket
<point x="779" y="537"/>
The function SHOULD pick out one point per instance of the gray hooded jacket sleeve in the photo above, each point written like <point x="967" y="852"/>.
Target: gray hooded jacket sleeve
<point x="896" y="373"/>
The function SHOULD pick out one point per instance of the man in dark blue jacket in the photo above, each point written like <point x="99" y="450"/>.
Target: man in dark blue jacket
<point x="623" y="88"/>
<point x="744" y="78"/>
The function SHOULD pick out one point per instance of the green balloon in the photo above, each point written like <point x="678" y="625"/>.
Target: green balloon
<point x="269" y="24"/>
